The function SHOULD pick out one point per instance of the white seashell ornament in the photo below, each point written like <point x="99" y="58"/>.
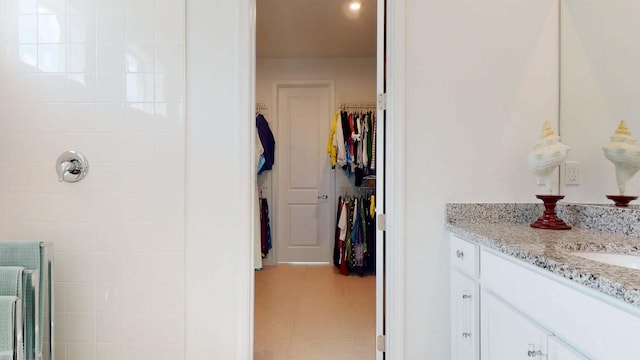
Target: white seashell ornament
<point x="546" y="155"/>
<point x="624" y="155"/>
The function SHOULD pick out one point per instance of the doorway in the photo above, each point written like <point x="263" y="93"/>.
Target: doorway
<point x="296" y="193"/>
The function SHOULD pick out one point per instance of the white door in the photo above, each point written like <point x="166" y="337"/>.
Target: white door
<point x="305" y="185"/>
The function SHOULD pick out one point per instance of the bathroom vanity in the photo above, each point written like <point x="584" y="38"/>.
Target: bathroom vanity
<point x="519" y="292"/>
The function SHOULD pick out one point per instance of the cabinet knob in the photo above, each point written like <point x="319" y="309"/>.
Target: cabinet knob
<point x="533" y="353"/>
<point x="460" y="254"/>
<point x="466" y="334"/>
<point x="466" y="296"/>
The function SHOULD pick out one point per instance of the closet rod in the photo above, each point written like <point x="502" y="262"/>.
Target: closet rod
<point x="363" y="105"/>
<point x="261" y="107"/>
<point x="358" y="190"/>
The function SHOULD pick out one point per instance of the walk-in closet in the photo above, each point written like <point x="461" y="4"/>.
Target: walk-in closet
<point x="315" y="228"/>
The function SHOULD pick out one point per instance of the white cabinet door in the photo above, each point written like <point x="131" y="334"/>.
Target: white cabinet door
<point x="507" y="334"/>
<point x="464" y="317"/>
<point x="558" y="350"/>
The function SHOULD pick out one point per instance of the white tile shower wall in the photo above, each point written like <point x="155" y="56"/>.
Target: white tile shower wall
<point x="105" y="77"/>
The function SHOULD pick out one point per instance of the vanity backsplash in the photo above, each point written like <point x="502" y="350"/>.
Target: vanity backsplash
<point x="611" y="219"/>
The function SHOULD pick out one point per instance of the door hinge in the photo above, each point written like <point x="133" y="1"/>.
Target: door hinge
<point x="382" y="101"/>
<point x="381" y="343"/>
<point x="382" y="222"/>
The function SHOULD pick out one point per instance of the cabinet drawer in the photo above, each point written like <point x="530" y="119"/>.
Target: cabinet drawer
<point x="464" y="256"/>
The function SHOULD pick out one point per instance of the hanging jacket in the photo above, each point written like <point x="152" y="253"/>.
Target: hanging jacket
<point x="268" y="142"/>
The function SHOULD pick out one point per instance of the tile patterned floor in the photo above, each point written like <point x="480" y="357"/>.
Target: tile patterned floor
<point x="312" y="312"/>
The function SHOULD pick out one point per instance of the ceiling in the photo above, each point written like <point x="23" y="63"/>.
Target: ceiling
<point x="314" y="29"/>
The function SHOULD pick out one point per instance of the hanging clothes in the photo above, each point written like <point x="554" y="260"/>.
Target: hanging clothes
<point x="265" y="228"/>
<point x="358" y="239"/>
<point x="343" y="224"/>
<point x="336" y="243"/>
<point x="268" y="143"/>
<point x="351" y="143"/>
<point x="372" y="164"/>
<point x="354" y="248"/>
<point x="370" y="141"/>
<point x="335" y="145"/>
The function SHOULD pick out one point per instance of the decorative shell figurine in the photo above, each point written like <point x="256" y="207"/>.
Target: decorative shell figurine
<point x="546" y="155"/>
<point x="624" y="154"/>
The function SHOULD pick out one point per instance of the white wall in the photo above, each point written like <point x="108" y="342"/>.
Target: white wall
<point x="354" y="81"/>
<point x="355" y="78"/>
<point x="481" y="77"/>
<point x="220" y="181"/>
<point x="105" y="78"/>
<point x="599" y="88"/>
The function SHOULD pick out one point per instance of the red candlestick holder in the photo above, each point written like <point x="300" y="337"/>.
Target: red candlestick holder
<point x="549" y="220"/>
<point x="621" y="200"/>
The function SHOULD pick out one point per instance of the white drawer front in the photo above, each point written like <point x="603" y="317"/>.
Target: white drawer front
<point x="464" y="256"/>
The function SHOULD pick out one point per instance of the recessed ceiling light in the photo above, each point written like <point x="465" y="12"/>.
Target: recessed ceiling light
<point x="355" y="5"/>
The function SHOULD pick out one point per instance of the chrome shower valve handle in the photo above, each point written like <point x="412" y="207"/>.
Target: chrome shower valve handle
<point x="72" y="166"/>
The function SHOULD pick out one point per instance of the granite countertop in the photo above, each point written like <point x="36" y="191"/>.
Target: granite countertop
<point x="511" y="234"/>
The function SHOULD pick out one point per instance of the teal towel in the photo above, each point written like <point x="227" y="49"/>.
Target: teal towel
<point x="11" y="281"/>
<point x="11" y="286"/>
<point x="27" y="254"/>
<point x="7" y="322"/>
<point x="20" y="253"/>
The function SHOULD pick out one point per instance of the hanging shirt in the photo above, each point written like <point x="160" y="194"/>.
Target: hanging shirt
<point x="369" y="139"/>
<point x="268" y="142"/>
<point x="373" y="144"/>
<point x="372" y="207"/>
<point x="342" y="223"/>
<point x="360" y="137"/>
<point x="352" y="145"/>
<point x="344" y="117"/>
<point x="331" y="150"/>
<point x="338" y="141"/>
<point x="365" y="141"/>
<point x="259" y="151"/>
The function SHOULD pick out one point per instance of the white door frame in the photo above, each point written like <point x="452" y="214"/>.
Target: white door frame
<point x="220" y="149"/>
<point x="275" y="180"/>
<point x="394" y="170"/>
<point x="394" y="167"/>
